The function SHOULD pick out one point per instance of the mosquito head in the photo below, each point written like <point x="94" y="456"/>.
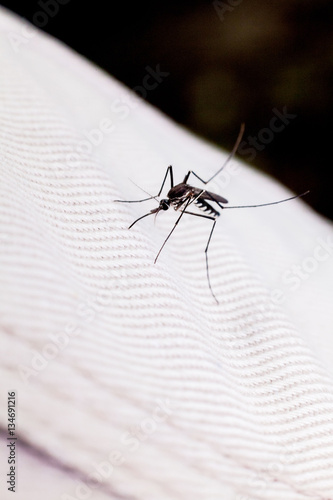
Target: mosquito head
<point x="164" y="204"/>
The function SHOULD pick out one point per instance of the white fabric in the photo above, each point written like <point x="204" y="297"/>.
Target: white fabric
<point x="200" y="400"/>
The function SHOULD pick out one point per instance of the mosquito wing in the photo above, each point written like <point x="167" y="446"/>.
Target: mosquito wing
<point x="207" y="195"/>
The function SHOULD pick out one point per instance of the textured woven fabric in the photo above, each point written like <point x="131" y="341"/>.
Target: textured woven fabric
<point x="131" y="381"/>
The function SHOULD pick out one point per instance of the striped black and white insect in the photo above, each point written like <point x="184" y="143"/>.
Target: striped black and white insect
<point x="181" y="196"/>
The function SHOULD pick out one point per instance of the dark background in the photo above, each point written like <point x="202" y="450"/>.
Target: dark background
<point x="230" y="61"/>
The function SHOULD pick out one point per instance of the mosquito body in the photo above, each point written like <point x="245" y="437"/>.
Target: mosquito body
<point x="181" y="196"/>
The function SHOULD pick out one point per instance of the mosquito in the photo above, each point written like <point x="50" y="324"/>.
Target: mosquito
<point x="181" y="196"/>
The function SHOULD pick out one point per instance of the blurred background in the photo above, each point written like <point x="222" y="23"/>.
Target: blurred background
<point x="229" y="62"/>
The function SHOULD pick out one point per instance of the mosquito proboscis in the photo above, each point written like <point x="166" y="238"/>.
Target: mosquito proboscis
<point x="181" y="196"/>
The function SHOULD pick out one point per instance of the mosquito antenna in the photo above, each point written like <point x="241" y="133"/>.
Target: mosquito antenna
<point x="233" y="152"/>
<point x="271" y="203"/>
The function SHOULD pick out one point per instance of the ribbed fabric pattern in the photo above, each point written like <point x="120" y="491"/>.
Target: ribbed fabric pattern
<point x="200" y="400"/>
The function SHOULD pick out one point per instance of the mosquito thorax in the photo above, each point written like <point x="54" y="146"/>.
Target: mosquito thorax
<point x="165" y="204"/>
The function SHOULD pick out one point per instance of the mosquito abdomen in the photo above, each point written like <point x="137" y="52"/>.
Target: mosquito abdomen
<point x="206" y="207"/>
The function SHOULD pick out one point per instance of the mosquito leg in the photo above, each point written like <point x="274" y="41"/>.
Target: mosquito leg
<point x="206" y="250"/>
<point x="168" y="171"/>
<point x="272" y="202"/>
<point x="208" y="194"/>
<point x="231" y="155"/>
<point x="196" y="175"/>
<point x="187" y="176"/>
<point x="207" y="267"/>
<point x="172" y="230"/>
<point x="200" y="215"/>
